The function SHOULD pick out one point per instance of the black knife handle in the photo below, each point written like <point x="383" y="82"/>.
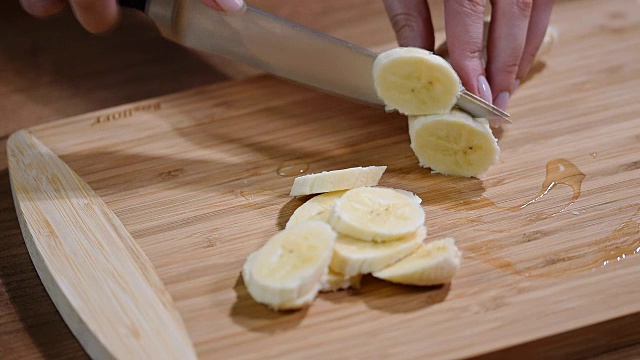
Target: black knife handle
<point x="136" y="4"/>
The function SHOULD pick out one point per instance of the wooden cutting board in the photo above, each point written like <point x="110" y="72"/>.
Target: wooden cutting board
<point x="139" y="218"/>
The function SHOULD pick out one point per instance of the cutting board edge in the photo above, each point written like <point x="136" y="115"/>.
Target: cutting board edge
<point x="77" y="322"/>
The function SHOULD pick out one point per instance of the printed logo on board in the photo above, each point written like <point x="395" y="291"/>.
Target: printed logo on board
<point x="126" y="113"/>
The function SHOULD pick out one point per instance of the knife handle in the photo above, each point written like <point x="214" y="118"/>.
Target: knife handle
<point x="135" y="4"/>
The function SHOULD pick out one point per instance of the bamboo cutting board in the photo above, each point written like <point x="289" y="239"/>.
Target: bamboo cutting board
<point x="138" y="218"/>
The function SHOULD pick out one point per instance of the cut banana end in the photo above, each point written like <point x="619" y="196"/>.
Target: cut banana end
<point x="286" y="272"/>
<point x="334" y="281"/>
<point x="433" y="263"/>
<point x="376" y="214"/>
<point x="415" y="81"/>
<point x="352" y="256"/>
<point x="453" y="143"/>
<point x="344" y="179"/>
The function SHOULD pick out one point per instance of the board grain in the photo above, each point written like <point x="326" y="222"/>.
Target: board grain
<point x="193" y="177"/>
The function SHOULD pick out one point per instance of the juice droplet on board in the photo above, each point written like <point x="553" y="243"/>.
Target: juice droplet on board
<point x="628" y="229"/>
<point x="594" y="155"/>
<point x="560" y="171"/>
<point x="292" y="168"/>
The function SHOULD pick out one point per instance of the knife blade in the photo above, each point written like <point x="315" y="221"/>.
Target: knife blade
<point x="284" y="48"/>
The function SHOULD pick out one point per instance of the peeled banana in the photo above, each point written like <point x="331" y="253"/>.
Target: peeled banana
<point x="433" y="263"/>
<point x="337" y="180"/>
<point x="352" y="256"/>
<point x="334" y="281"/>
<point x="317" y="208"/>
<point x="453" y="143"/>
<point x="415" y="81"/>
<point x="286" y="272"/>
<point x="376" y="214"/>
<point x="335" y="238"/>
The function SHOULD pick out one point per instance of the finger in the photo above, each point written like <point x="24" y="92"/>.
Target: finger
<point x="464" y="26"/>
<point x="538" y="23"/>
<point x="411" y="21"/>
<point x="228" y="6"/>
<point x="97" y="16"/>
<point x="507" y="35"/>
<point x="43" y="8"/>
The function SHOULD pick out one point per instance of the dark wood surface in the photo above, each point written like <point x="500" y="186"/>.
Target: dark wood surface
<point x="51" y="69"/>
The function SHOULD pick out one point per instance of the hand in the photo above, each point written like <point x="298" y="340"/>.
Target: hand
<point x="515" y="34"/>
<point x="98" y="16"/>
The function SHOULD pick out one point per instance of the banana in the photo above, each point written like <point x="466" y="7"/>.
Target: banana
<point x="286" y="272"/>
<point x="352" y="256"/>
<point x="415" y="81"/>
<point x="319" y="207"/>
<point x="344" y="179"/>
<point x="376" y="214"/>
<point x="300" y="302"/>
<point x="433" y="263"/>
<point x="411" y="195"/>
<point x="334" y="281"/>
<point x="453" y="143"/>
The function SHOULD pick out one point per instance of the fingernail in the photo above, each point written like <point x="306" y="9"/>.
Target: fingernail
<point x="516" y="83"/>
<point x="495" y="123"/>
<point x="230" y="6"/>
<point x="501" y="100"/>
<point x="484" y="91"/>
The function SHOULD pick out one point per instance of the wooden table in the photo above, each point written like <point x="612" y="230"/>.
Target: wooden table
<point x="52" y="69"/>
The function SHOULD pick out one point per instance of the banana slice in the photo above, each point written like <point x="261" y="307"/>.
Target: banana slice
<point x="352" y="256"/>
<point x="317" y="208"/>
<point x="411" y="195"/>
<point x="334" y="281"/>
<point x="302" y="301"/>
<point x="434" y="263"/>
<point x="453" y="143"/>
<point x="376" y="214"/>
<point x="287" y="270"/>
<point x="344" y="179"/>
<point x="415" y="81"/>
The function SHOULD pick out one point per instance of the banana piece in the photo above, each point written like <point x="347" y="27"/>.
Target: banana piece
<point x="300" y="302"/>
<point x="376" y="214"/>
<point x="286" y="272"/>
<point x="433" y="263"/>
<point x="334" y="281"/>
<point x="453" y="143"/>
<point x="344" y="179"/>
<point x="319" y="207"/>
<point x="352" y="256"/>
<point x="411" y="195"/>
<point x="415" y="81"/>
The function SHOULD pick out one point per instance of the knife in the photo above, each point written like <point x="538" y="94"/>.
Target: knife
<point x="283" y="48"/>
